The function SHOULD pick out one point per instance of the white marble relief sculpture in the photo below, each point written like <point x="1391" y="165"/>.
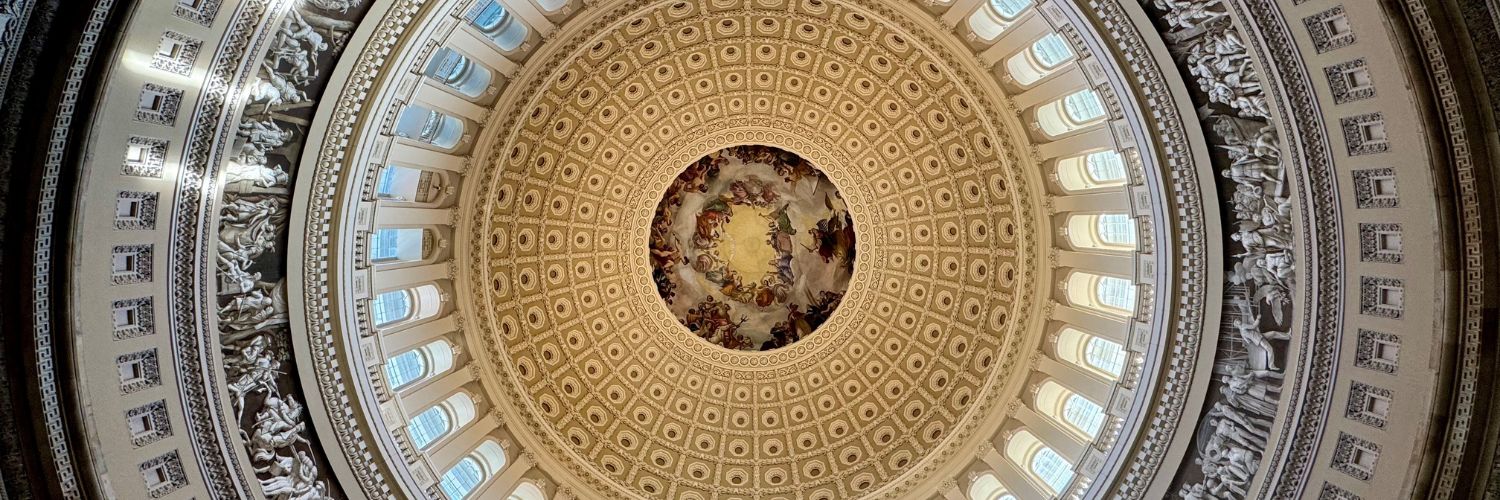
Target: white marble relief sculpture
<point x="1235" y="428"/>
<point x="252" y="310"/>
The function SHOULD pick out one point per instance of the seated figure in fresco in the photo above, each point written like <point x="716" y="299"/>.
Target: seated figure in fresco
<point x="835" y="238"/>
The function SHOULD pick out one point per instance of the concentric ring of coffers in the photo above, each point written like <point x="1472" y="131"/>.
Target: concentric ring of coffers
<point x="615" y="387"/>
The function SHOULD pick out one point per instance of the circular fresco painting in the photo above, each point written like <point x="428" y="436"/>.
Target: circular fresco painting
<point x="752" y="248"/>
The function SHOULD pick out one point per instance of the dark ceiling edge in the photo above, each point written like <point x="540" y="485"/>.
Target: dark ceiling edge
<point x="1457" y="456"/>
<point x="58" y="34"/>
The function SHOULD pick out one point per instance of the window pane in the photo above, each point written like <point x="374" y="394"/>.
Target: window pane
<point x="1105" y="166"/>
<point x="428" y="426"/>
<point x="1116" y="293"/>
<point x="1052" y="469"/>
<point x="385" y="244"/>
<point x="1105" y="355"/>
<point x="1117" y="229"/>
<point x="1009" y="9"/>
<point x="487" y="15"/>
<point x="1051" y="51"/>
<point x="1084" y="106"/>
<point x="390" y="307"/>
<point x="986" y="488"/>
<point x="405" y="368"/>
<point x="461" y="480"/>
<point x="1083" y="414"/>
<point x="386" y="187"/>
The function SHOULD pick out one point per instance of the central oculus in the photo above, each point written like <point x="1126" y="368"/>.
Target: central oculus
<point x="752" y="248"/>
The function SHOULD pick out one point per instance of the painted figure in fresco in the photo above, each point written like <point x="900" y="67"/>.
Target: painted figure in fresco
<point x="725" y="299"/>
<point x="835" y="238"/>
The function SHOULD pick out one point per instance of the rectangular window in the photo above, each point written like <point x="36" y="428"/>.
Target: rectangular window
<point x="148" y="423"/>
<point x="135" y="210"/>
<point x="131" y="264"/>
<point x="158" y="105"/>
<point x="163" y="474"/>
<point x="140" y="425"/>
<point x="1377" y="351"/>
<point x="1358" y="79"/>
<point x="126" y="318"/>
<point x="132" y="370"/>
<point x="198" y="11"/>
<point x="132" y="317"/>
<point x="138" y="370"/>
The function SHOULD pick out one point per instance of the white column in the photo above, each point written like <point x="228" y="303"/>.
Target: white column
<point x="431" y="96"/>
<point x="407" y="154"/>
<point x="469" y="42"/>
<point x="1122" y="265"/>
<point x="1087" y="141"/>
<point x="532" y="16"/>
<point x="509" y="478"/>
<point x="1016" y="481"/>
<point x="953" y="493"/>
<point x="1052" y="433"/>
<point x="1066" y="81"/>
<point x="1109" y="327"/>
<point x="453" y="449"/>
<point x="959" y="12"/>
<point x="412" y="216"/>
<point x="431" y="393"/>
<point x="1015" y="37"/>
<point x="1116" y="201"/>
<point x="419" y="334"/>
<point x="390" y="279"/>
<point x="1074" y="378"/>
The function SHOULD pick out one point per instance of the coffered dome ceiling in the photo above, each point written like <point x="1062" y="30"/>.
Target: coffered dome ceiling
<point x="748" y="249"/>
<point x="583" y="347"/>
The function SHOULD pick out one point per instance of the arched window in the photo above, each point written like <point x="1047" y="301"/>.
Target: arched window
<point x="441" y="419"/>
<point x="552" y="6"/>
<point x="417" y="364"/>
<point x="1083" y="415"/>
<point x="1051" y="51"/>
<point x="458" y="72"/>
<point x="391" y="307"/>
<point x="1105" y="167"/>
<point x="1084" y="106"/>
<point x="405" y="368"/>
<point x="391" y="245"/>
<point x="1111" y="231"/>
<point x="1043" y="57"/>
<point x="1105" y="294"/>
<point x="462" y="479"/>
<point x="428" y="426"/>
<point x="1115" y="292"/>
<point x="1009" y="9"/>
<point x="1102" y="357"/>
<point x="1051" y="468"/>
<point x="988" y="23"/>
<point x="1045" y="464"/>
<point x="406" y="184"/>
<point x="987" y="487"/>
<point x="423" y="124"/>
<point x="527" y="491"/>
<point x="1105" y="355"/>
<point x="1116" y="229"/>
<point x="1095" y="170"/>
<point x="497" y="23"/>
<point x="492" y="456"/>
<point x="1077" y="413"/>
<point x="1074" y="112"/>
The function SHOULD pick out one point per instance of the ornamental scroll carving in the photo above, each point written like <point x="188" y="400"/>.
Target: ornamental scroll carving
<point x="1250" y="363"/>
